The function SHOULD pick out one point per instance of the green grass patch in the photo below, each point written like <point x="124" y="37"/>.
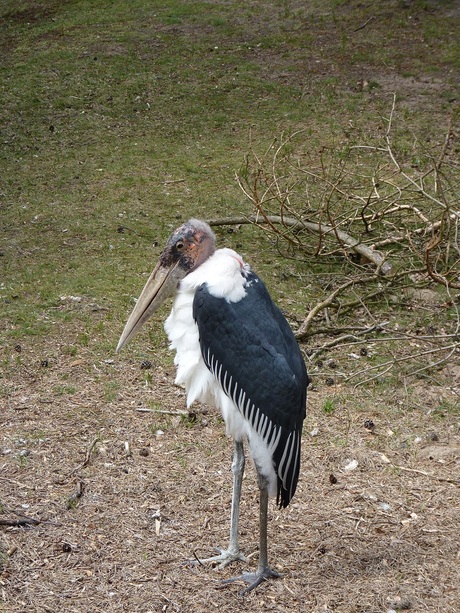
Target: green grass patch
<point x="121" y="120"/>
<point x="329" y="406"/>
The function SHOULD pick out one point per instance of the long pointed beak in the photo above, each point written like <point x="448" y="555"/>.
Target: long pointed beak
<point x="161" y="284"/>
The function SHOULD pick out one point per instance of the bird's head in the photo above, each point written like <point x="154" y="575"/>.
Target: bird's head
<point x="188" y="246"/>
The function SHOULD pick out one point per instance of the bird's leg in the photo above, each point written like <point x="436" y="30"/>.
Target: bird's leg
<point x="238" y="471"/>
<point x="264" y="572"/>
<point x="233" y="552"/>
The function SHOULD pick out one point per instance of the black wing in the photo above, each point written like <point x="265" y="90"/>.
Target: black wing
<point x="253" y="354"/>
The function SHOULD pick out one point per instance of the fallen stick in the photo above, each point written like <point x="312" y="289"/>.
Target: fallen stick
<point x="345" y="337"/>
<point x="425" y="474"/>
<point x="363" y="25"/>
<point x="162" y="411"/>
<point x="72" y="501"/>
<point x="23" y="521"/>
<point x="87" y="456"/>
<point x="383" y="266"/>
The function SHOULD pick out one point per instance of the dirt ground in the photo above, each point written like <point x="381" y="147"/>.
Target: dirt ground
<point x="112" y="486"/>
<point x="122" y="497"/>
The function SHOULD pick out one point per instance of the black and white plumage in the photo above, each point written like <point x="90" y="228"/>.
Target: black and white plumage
<point x="236" y="351"/>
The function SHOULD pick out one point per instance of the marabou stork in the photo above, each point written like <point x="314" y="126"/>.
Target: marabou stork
<point x="236" y="351"/>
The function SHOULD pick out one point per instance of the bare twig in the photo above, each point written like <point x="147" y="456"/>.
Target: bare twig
<point x="365" y="204"/>
<point x="369" y="254"/>
<point x="162" y="411"/>
<point x="22" y="521"/>
<point x="341" y="340"/>
<point x="320" y="306"/>
<point x="425" y="474"/>
<point x="390" y="363"/>
<point x="364" y="24"/>
<point x="441" y="279"/>
<point x="418" y="185"/>
<point x="87" y="459"/>
<point x="72" y="500"/>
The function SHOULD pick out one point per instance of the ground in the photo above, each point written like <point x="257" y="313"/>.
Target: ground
<point x="122" y="497"/>
<point x="108" y="485"/>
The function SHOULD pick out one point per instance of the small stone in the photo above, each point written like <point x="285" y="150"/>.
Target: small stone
<point x="351" y="465"/>
<point x="400" y="604"/>
<point x="369" y="425"/>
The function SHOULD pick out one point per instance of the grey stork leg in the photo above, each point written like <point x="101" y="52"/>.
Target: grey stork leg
<point x="232" y="553"/>
<point x="264" y="572"/>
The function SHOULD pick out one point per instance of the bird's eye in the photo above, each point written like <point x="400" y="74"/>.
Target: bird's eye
<point x="179" y="245"/>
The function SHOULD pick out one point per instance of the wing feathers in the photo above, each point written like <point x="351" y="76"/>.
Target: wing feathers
<point x="251" y="351"/>
<point x="276" y="438"/>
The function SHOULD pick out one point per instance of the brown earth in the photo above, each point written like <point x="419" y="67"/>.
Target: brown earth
<point x="121" y="497"/>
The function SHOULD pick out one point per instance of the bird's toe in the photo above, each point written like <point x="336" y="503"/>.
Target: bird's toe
<point x="252" y="579"/>
<point x="222" y="560"/>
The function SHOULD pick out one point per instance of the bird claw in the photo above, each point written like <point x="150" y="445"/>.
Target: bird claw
<point x="222" y="560"/>
<point x="252" y="579"/>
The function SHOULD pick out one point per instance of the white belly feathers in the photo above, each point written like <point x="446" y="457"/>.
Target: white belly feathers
<point x="222" y="273"/>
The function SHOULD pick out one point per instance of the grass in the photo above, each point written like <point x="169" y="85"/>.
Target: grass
<point x="120" y="120"/>
<point x="329" y="405"/>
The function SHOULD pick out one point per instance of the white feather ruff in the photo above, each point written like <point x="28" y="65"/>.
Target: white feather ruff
<point x="222" y="273"/>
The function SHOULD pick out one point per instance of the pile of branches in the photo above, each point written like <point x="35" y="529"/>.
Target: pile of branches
<point x="382" y="220"/>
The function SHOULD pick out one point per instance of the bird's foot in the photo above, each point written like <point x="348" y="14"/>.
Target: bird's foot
<point x="253" y="579"/>
<point x="225" y="557"/>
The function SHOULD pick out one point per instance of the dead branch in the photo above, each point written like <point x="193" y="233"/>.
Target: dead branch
<point x="441" y="279"/>
<point x="163" y="411"/>
<point x="73" y="499"/>
<point x="425" y="474"/>
<point x="364" y="24"/>
<point x="418" y="184"/>
<point x="344" y="338"/>
<point x="87" y="459"/>
<point x="391" y="363"/>
<point x="384" y="267"/>
<point x="22" y="521"/>
<point x="399" y="216"/>
<point x="320" y="306"/>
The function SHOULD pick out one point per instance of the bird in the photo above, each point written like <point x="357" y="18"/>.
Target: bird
<point x="235" y="351"/>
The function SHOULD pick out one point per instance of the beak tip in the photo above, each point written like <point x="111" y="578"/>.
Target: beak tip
<point x="160" y="285"/>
